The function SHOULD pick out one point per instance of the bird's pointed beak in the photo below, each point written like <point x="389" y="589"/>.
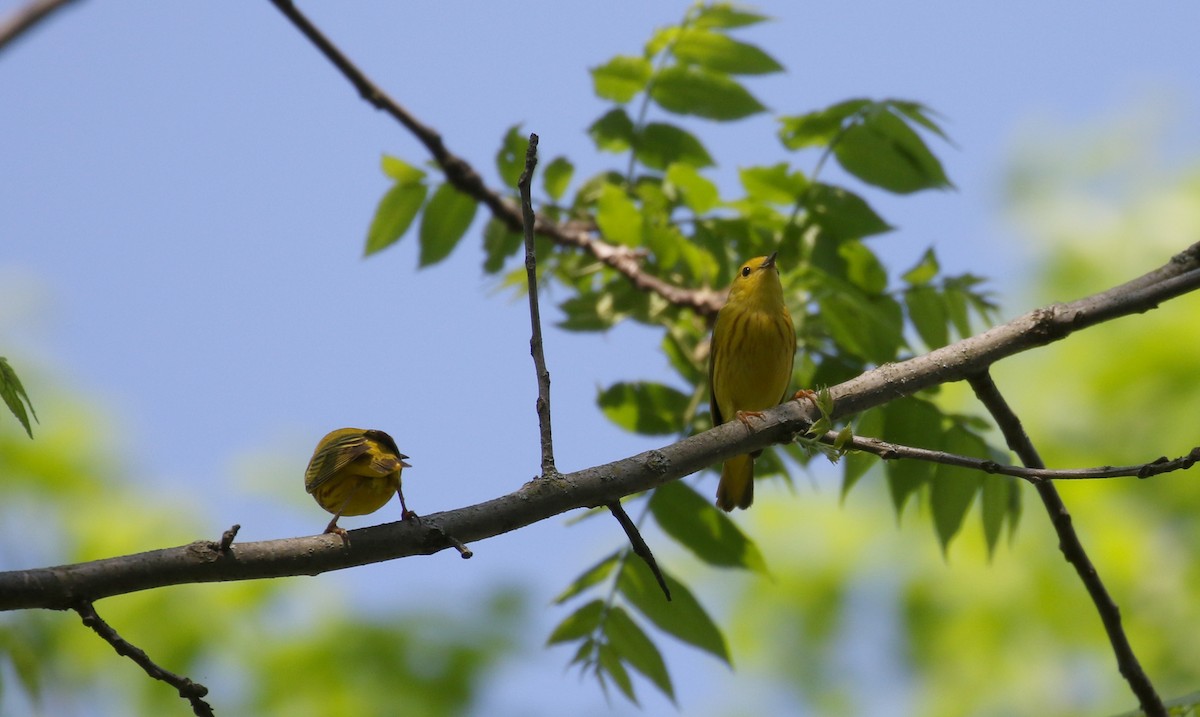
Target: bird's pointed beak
<point x="770" y="261"/>
<point x="403" y="463"/>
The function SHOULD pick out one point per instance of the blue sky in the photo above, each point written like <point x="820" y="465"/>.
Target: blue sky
<point x="185" y="190"/>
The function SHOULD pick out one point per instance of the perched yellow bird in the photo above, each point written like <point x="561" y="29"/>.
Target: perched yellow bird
<point x="355" y="471"/>
<point x="749" y="364"/>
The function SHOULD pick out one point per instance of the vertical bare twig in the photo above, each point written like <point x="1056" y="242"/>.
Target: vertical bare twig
<point x="543" y="374"/>
<point x="227" y="539"/>
<point x="1068" y="541"/>
<point x="535" y="316"/>
<point x="193" y="692"/>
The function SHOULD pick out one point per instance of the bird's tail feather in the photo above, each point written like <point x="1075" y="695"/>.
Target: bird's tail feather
<point x="736" y="489"/>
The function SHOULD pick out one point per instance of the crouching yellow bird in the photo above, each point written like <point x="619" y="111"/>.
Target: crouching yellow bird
<point x="355" y="471"/>
<point x="749" y="364"/>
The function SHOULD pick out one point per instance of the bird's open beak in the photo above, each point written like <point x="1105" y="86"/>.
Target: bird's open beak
<point x="401" y="456"/>
<point x="770" y="260"/>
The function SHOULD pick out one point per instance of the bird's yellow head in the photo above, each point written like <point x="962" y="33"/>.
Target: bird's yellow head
<point x="757" y="280"/>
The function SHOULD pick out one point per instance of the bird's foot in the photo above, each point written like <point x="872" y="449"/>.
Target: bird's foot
<point x="745" y="416"/>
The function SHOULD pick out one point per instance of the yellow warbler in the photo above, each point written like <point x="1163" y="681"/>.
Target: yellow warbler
<point x="355" y="471"/>
<point x="749" y="364"/>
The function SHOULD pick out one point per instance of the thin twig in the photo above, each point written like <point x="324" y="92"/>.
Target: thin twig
<point x="227" y="538"/>
<point x="892" y="451"/>
<point x="24" y="19"/>
<point x="193" y="692"/>
<point x="543" y="374"/>
<point x="626" y="261"/>
<point x="1068" y="541"/>
<point x="535" y="315"/>
<point x="457" y="544"/>
<point x="639" y="545"/>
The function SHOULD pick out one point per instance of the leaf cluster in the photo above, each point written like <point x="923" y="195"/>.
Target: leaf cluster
<point x="663" y="202"/>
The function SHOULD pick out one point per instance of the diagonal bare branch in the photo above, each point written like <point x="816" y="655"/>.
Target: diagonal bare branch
<point x="193" y="692"/>
<point x="1072" y="549"/>
<point x="963" y="359"/>
<point x="625" y="260"/>
<point x="893" y="451"/>
<point x="25" y="18"/>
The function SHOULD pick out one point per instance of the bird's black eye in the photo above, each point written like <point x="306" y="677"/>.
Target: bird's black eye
<point x="746" y="271"/>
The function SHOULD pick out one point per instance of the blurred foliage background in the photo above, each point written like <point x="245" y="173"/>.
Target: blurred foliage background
<point x="851" y="602"/>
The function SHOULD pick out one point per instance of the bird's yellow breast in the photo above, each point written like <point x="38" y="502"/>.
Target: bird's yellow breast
<point x="752" y="360"/>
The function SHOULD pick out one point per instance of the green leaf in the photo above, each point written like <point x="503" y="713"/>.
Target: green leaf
<point x="679" y="346"/>
<point x="842" y="214"/>
<point x="925" y="271"/>
<point x="961" y="297"/>
<point x="818" y="129"/>
<point x="665" y="242"/>
<point x="692" y="520"/>
<point x="868" y="327"/>
<point x="609" y="662"/>
<point x="445" y="220"/>
<point x="953" y="487"/>
<point x="618" y="217"/>
<point x="721" y="53"/>
<point x="956" y="310"/>
<point x="884" y="151"/>
<point x="580" y="623"/>
<point x="621" y="78"/>
<point x="927" y="309"/>
<point x="857" y="463"/>
<point x="994" y="504"/>
<point x="592" y="576"/>
<point x="401" y="171"/>
<point x="773" y="184"/>
<point x="683" y="617"/>
<point x="14" y="395"/>
<point x="394" y="215"/>
<point x="692" y="91"/>
<point x="613" y="132"/>
<point x="633" y="646"/>
<point x="510" y="159"/>
<point x="588" y="312"/>
<point x="642" y="407"/>
<point x="661" y="144"/>
<point x="499" y="243"/>
<point x="583" y="654"/>
<point x="863" y="268"/>
<point x="911" y="422"/>
<point x="556" y="176"/>
<point x="699" y="194"/>
<point x="725" y="15"/>
<point x="918" y="113"/>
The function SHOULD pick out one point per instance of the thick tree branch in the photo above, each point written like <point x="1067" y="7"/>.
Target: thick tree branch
<point x="625" y="260"/>
<point x="25" y="18"/>
<point x="895" y="451"/>
<point x="962" y="359"/>
<point x="64" y="587"/>
<point x="1072" y="549"/>
<point x="193" y="692"/>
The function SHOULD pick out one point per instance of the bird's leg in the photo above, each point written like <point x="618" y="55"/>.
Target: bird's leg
<point x="405" y="513"/>
<point x="336" y="530"/>
<point x="333" y="526"/>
